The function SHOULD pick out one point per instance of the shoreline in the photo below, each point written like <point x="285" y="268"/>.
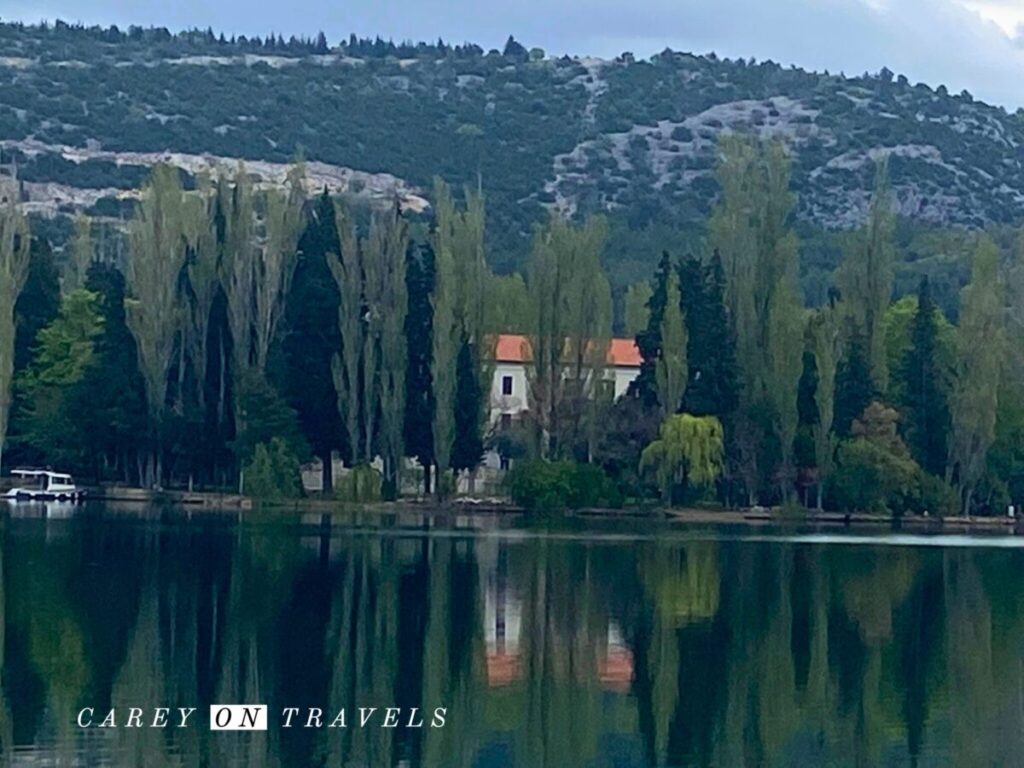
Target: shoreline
<point x="752" y="517"/>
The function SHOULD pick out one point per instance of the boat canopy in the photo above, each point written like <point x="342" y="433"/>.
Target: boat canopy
<point x="41" y="473"/>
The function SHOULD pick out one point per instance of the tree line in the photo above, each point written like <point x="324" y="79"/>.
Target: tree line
<point x="234" y="331"/>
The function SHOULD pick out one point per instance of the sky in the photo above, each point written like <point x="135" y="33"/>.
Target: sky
<point x="977" y="45"/>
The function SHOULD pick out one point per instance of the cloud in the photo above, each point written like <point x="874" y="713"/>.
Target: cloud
<point x="963" y="44"/>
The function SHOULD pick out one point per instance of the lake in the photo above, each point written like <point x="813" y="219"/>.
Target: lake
<point x="566" y="644"/>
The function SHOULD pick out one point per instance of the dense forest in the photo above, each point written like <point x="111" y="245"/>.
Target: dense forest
<point x="634" y="140"/>
<point x="237" y="329"/>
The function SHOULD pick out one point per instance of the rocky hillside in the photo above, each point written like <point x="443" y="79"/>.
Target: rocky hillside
<point x="84" y="111"/>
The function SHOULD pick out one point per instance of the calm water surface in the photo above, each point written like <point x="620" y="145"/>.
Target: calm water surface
<point x="568" y="645"/>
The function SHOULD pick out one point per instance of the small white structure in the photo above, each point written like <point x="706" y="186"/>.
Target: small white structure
<point x="510" y="383"/>
<point x="44" y="485"/>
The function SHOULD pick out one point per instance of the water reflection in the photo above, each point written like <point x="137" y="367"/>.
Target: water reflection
<point x="548" y="651"/>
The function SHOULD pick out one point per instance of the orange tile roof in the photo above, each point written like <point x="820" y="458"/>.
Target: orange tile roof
<point x="515" y="348"/>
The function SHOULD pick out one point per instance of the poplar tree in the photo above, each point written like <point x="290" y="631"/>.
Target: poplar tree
<point x="671" y="370"/>
<point x="444" y="349"/>
<point x="14" y="264"/>
<point x="238" y="264"/>
<point x="393" y="310"/>
<point x="81" y="256"/>
<point x="277" y="257"/>
<point x="981" y="348"/>
<point x="571" y="304"/>
<point x="635" y="311"/>
<point x="865" y="278"/>
<point x="458" y="298"/>
<point x="825" y="338"/>
<point x="346" y="269"/>
<point x="750" y="229"/>
<point x="203" y="280"/>
<point x="158" y="248"/>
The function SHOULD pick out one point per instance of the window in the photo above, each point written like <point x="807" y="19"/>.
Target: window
<point x="506" y="385"/>
<point x="506" y="420"/>
<point x="505" y="463"/>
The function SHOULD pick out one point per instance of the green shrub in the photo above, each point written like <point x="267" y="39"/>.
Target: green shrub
<point x="870" y="478"/>
<point x="273" y="473"/>
<point x="362" y="485"/>
<point x="935" y="496"/>
<point x="545" y="486"/>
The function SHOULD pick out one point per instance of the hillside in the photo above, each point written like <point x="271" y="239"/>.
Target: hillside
<point x="84" y="111"/>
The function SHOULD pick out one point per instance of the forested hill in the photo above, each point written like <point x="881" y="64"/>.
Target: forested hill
<point x="83" y="111"/>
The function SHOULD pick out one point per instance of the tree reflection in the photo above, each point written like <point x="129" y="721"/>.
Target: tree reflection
<point x="546" y="651"/>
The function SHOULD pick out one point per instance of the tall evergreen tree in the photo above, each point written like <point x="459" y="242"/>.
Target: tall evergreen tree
<point x="468" y="447"/>
<point x="854" y="385"/>
<point x="711" y="349"/>
<point x="419" y="403"/>
<point x="312" y="336"/>
<point x="925" y="401"/>
<point x="649" y="340"/>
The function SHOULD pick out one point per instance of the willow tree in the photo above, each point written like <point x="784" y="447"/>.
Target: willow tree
<point x="14" y="259"/>
<point x="689" y="448"/>
<point x="347" y="271"/>
<point x="158" y="248"/>
<point x="980" y="348"/>
<point x="571" y="305"/>
<point x="393" y="309"/>
<point x="282" y="225"/>
<point x="671" y="370"/>
<point x="750" y="229"/>
<point x="865" y="277"/>
<point x="824" y="337"/>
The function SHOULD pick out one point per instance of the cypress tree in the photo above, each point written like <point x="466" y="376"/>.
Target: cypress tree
<point x="649" y="341"/>
<point x="419" y="322"/>
<point x="711" y="351"/>
<point x="468" y="448"/>
<point x="854" y="384"/>
<point x="926" y="411"/>
<point x="312" y="336"/>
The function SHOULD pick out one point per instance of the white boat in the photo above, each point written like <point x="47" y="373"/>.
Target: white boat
<point x="44" y="485"/>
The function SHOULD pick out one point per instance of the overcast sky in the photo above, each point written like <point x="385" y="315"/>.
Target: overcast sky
<point x="972" y="44"/>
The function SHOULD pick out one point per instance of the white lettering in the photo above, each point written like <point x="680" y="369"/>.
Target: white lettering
<point x="364" y="715"/>
<point x="339" y="721"/>
<point x="90" y="710"/>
